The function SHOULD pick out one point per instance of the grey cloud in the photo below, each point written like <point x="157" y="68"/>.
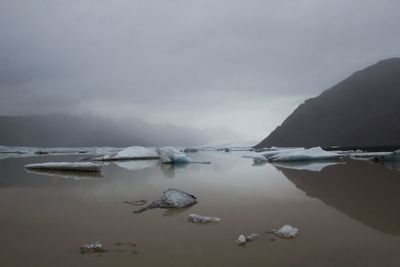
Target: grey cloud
<point x="186" y="62"/>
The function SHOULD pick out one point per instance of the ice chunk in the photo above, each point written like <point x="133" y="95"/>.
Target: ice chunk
<point x="172" y="155"/>
<point x="286" y="231"/>
<point x="315" y="153"/>
<point x="65" y="166"/>
<point x="202" y="219"/>
<point x="94" y="247"/>
<point x="172" y="198"/>
<point x="242" y="239"/>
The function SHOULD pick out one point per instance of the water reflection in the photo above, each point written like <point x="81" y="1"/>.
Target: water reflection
<point x="368" y="193"/>
<point x="134" y="165"/>
<point x="308" y="166"/>
<point x="67" y="174"/>
<point x="170" y="170"/>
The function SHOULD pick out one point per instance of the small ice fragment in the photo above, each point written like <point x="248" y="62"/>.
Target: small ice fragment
<point x="202" y="219"/>
<point x="251" y="237"/>
<point x="172" y="198"/>
<point x="241" y="240"/>
<point x="94" y="247"/>
<point x="286" y="231"/>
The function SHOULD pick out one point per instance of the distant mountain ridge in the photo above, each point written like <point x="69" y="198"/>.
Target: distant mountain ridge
<point x="362" y="110"/>
<point x="89" y="130"/>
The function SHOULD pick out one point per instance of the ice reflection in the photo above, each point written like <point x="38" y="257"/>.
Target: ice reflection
<point x="306" y="165"/>
<point x="134" y="165"/>
<point x="74" y="175"/>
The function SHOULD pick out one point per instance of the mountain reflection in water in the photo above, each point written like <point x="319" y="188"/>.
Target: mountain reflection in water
<point x="364" y="191"/>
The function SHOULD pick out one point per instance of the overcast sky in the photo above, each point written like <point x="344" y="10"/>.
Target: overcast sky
<point x="241" y="65"/>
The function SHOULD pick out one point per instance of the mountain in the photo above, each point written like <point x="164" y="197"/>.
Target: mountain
<point x="90" y="130"/>
<point x="362" y="110"/>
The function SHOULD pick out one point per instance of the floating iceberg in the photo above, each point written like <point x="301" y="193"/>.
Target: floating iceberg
<point x="131" y="153"/>
<point x="281" y="151"/>
<point x="65" y="166"/>
<point x="242" y="239"/>
<point x="172" y="198"/>
<point x="315" y="153"/>
<point x="202" y="219"/>
<point x="286" y="231"/>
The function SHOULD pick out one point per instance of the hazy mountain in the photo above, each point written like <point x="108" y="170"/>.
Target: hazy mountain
<point x="90" y="130"/>
<point x="362" y="110"/>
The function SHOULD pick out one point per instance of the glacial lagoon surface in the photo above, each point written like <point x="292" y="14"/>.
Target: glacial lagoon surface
<point x="347" y="213"/>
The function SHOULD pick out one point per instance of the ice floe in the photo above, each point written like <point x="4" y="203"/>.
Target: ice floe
<point x="315" y="153"/>
<point x="196" y="218"/>
<point x="172" y="198"/>
<point x="65" y="166"/>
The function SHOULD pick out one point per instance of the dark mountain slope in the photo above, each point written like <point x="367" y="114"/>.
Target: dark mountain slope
<point x="363" y="110"/>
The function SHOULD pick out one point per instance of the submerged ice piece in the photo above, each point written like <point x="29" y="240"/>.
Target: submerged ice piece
<point x="172" y="198"/>
<point x="95" y="247"/>
<point x="65" y="166"/>
<point x="242" y="239"/>
<point x="286" y="231"/>
<point x="202" y="219"/>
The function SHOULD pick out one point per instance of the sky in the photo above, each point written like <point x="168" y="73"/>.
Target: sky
<point x="240" y="65"/>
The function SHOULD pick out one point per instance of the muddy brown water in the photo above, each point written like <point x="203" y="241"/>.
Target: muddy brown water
<point x="348" y="214"/>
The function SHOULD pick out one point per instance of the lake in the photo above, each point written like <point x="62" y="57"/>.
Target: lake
<point x="348" y="214"/>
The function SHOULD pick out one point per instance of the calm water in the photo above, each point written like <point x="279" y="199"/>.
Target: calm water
<point x="348" y="214"/>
